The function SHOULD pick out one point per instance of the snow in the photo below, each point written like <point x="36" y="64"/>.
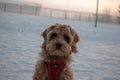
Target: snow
<point x="99" y="49"/>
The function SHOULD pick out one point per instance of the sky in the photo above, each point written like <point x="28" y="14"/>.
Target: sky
<point x="105" y="6"/>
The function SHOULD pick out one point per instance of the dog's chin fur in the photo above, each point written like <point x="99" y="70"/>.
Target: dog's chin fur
<point x="65" y="50"/>
<point x="68" y="38"/>
<point x="55" y="55"/>
<point x="62" y="52"/>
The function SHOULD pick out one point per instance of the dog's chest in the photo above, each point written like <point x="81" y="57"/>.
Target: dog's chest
<point x="54" y="68"/>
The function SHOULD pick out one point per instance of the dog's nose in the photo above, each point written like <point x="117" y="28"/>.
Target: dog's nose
<point x="58" y="45"/>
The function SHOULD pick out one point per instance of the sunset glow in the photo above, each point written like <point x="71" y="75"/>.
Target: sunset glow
<point x="78" y="5"/>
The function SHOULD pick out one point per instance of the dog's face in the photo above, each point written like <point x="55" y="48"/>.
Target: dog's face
<point x="60" y="40"/>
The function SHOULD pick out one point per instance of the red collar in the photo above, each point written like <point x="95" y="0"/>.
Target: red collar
<point x="54" y="68"/>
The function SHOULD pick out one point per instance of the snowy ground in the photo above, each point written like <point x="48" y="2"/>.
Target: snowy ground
<point x="99" y="49"/>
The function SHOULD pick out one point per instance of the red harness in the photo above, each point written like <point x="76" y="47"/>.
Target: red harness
<point x="54" y="68"/>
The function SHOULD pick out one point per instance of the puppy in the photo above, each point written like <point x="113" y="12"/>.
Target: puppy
<point x="55" y="58"/>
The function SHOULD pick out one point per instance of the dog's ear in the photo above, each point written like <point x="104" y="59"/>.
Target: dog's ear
<point x="76" y="39"/>
<point x="44" y="34"/>
<point x="74" y="44"/>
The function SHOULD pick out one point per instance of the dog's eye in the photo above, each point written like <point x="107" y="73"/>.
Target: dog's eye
<point x="67" y="39"/>
<point x="53" y="35"/>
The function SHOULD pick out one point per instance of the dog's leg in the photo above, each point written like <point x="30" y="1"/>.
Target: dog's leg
<point x="40" y="71"/>
<point x="66" y="74"/>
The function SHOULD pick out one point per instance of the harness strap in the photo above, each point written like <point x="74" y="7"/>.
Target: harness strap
<point x="54" y="68"/>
